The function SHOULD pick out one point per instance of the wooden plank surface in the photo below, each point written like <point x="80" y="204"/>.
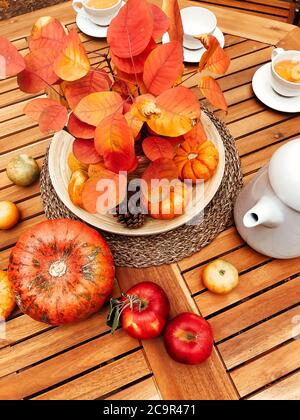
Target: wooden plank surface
<point x="286" y="390"/>
<point x="230" y="21"/>
<point x="252" y="326"/>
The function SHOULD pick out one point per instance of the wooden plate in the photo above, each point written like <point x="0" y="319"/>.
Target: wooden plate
<point x="60" y="174"/>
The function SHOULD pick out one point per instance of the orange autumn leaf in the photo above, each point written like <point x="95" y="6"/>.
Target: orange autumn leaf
<point x="210" y="88"/>
<point x="11" y="61"/>
<point x="72" y="62"/>
<point x="35" y="107"/>
<point x="157" y="147"/>
<point x="53" y="118"/>
<point x="93" y="108"/>
<point x="134" y="123"/>
<point x="94" y="81"/>
<point x="47" y="32"/>
<point x="215" y="59"/>
<point x="160" y="22"/>
<point x="163" y="67"/>
<point x="133" y="65"/>
<point x="103" y="191"/>
<point x="196" y="135"/>
<point x="79" y="128"/>
<point x="39" y="71"/>
<point x="130" y="31"/>
<point x="172" y="10"/>
<point x="114" y="142"/>
<point x="172" y="113"/>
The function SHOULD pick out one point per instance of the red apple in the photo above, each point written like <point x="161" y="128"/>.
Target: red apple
<point x="143" y="310"/>
<point x="189" y="339"/>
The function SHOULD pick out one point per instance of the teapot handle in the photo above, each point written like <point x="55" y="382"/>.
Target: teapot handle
<point x="276" y="52"/>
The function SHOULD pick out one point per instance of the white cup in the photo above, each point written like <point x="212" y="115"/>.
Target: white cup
<point x="280" y="85"/>
<point x="196" y="21"/>
<point x="101" y="17"/>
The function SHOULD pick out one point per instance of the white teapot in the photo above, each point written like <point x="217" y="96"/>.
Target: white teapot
<point x="267" y="211"/>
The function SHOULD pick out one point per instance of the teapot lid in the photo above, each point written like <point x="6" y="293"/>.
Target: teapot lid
<point x="284" y="173"/>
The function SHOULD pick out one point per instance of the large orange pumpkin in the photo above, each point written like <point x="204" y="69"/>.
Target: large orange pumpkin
<point x="196" y="160"/>
<point x="61" y="271"/>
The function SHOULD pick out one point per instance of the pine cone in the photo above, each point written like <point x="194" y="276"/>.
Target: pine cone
<point x="131" y="221"/>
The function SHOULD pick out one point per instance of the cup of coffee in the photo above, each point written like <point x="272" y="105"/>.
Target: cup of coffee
<point x="100" y="12"/>
<point x="196" y="21"/>
<point x="285" y="72"/>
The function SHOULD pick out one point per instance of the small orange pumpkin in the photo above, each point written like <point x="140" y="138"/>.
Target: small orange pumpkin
<point x="196" y="160"/>
<point x="172" y="205"/>
<point x="76" y="185"/>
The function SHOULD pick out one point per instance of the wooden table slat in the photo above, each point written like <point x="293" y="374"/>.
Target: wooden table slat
<point x="259" y="339"/>
<point x="250" y="283"/>
<point x="255" y="310"/>
<point x="257" y="374"/>
<point x="286" y="390"/>
<point x="102" y="381"/>
<point x="66" y="365"/>
<point x="144" y="390"/>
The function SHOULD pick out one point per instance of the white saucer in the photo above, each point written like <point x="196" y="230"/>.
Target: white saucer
<point x="265" y="93"/>
<point x="194" y="56"/>
<point x="90" y="28"/>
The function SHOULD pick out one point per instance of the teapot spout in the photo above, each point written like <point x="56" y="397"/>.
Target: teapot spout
<point x="267" y="212"/>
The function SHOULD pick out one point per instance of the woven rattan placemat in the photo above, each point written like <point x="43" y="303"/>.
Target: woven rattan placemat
<point x="169" y="247"/>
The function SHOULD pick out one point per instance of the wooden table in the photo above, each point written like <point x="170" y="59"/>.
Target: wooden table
<point x="255" y="355"/>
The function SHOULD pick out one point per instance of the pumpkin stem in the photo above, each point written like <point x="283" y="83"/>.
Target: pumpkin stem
<point x="58" y="268"/>
<point x="117" y="306"/>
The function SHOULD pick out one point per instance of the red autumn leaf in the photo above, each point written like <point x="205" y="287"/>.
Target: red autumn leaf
<point x="157" y="147"/>
<point x="49" y="33"/>
<point x="158" y="170"/>
<point x="95" y="107"/>
<point x="79" y="128"/>
<point x="133" y="65"/>
<point x="72" y="62"/>
<point x="94" y="81"/>
<point x="39" y="71"/>
<point x="130" y="31"/>
<point x="160" y="22"/>
<point x="114" y="141"/>
<point x="176" y="140"/>
<point x="171" y="9"/>
<point x="196" y="135"/>
<point x="84" y="151"/>
<point x="129" y="78"/>
<point x="215" y="59"/>
<point x="35" y="107"/>
<point x="53" y="118"/>
<point x="11" y="61"/>
<point x="210" y="88"/>
<point x="104" y="191"/>
<point x="162" y="67"/>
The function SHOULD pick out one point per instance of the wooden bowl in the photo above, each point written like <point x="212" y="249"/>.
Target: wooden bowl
<point x="60" y="174"/>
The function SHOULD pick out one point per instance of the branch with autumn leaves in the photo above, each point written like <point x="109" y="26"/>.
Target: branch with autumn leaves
<point x="138" y="83"/>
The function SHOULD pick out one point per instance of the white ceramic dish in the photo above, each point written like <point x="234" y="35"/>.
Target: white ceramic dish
<point x="61" y="146"/>
<point x="194" y="56"/>
<point x="266" y="94"/>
